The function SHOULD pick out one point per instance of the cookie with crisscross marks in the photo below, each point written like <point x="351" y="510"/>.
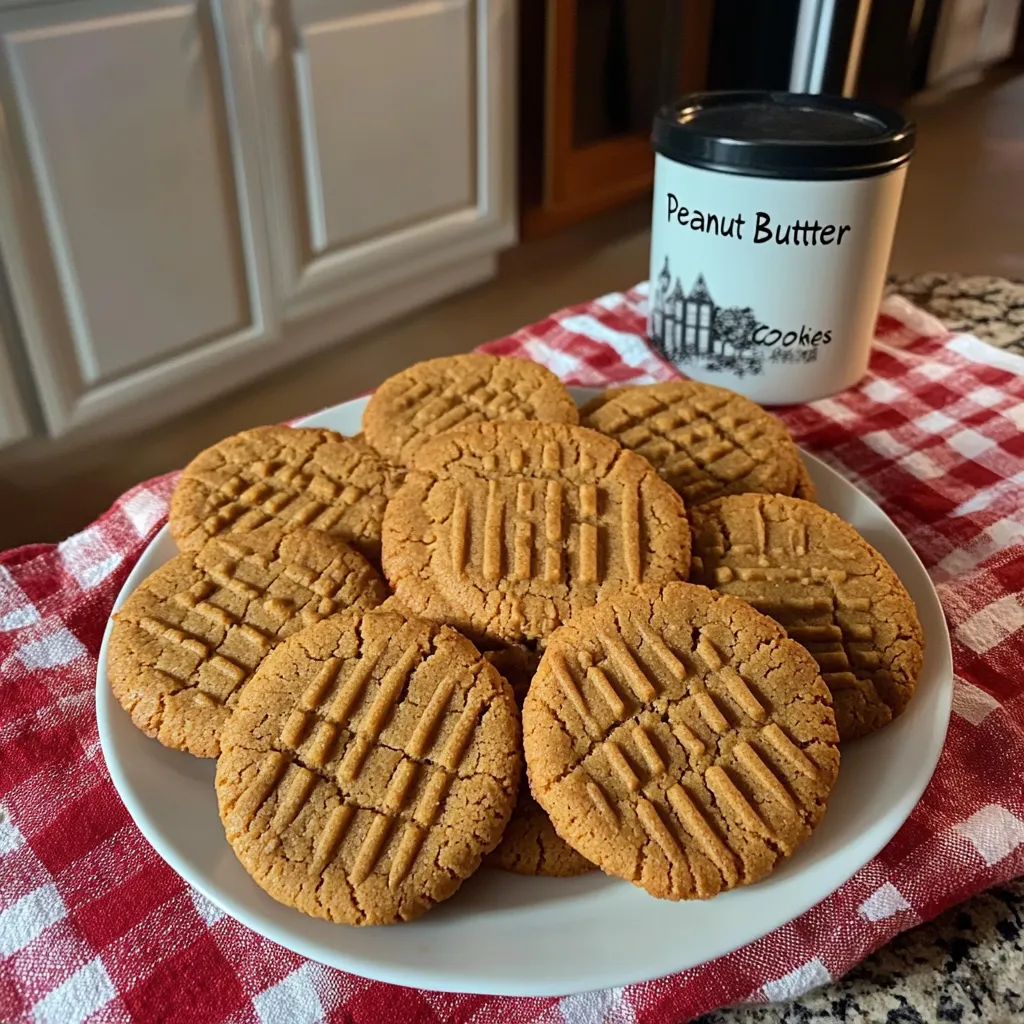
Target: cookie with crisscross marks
<point x="504" y="530"/>
<point x="455" y="391"/>
<point x="187" y="640"/>
<point x="369" y="765"/>
<point x="678" y="739"/>
<point x="704" y="440"/>
<point x="294" y="476"/>
<point x="832" y="591"/>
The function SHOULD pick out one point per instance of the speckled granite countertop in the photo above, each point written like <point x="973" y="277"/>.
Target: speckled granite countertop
<point x="991" y="308"/>
<point x="967" y="965"/>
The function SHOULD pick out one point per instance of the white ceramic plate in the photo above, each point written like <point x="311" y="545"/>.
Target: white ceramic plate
<point x="510" y="935"/>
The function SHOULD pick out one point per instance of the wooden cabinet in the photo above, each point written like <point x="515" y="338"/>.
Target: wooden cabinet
<point x="183" y="183"/>
<point x="592" y="76"/>
<point x="388" y="137"/>
<point x="132" y="222"/>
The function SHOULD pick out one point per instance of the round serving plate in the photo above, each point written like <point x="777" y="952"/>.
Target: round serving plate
<point x="512" y="935"/>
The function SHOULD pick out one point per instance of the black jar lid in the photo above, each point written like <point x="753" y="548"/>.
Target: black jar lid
<point x="783" y="135"/>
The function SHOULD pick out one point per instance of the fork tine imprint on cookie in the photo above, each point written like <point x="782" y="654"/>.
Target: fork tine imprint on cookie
<point x="186" y="641"/>
<point x="833" y="592"/>
<point x="506" y="529"/>
<point x="679" y="740"/>
<point x="704" y="440"/>
<point x="369" y="765"/>
<point x="295" y="476"/>
<point x="455" y="391"/>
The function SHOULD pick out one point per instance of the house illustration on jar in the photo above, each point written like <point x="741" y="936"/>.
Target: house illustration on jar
<point x="689" y="328"/>
<point x="683" y="325"/>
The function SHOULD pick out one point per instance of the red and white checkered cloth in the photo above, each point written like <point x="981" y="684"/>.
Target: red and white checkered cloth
<point x="95" y="927"/>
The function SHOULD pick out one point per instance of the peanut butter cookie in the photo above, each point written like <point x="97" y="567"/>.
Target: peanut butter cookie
<point x="184" y="644"/>
<point x="504" y="530"/>
<point x="679" y="740"/>
<point x="704" y="440"/>
<point x="369" y="765"/>
<point x="456" y="391"/>
<point x="530" y="845"/>
<point x="298" y="476"/>
<point x="833" y="593"/>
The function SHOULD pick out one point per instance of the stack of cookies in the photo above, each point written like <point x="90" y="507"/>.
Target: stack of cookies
<point x="466" y="636"/>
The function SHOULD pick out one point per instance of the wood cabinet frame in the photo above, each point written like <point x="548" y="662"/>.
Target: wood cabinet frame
<point x="577" y="181"/>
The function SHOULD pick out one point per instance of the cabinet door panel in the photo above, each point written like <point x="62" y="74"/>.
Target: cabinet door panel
<point x="141" y="213"/>
<point x="390" y="138"/>
<point x="386" y="143"/>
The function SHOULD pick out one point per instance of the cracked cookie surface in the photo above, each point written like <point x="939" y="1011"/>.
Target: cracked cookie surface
<point x="678" y="739"/>
<point x="295" y="476"/>
<point x="504" y="530"/>
<point x="369" y="765"/>
<point x="834" y="593"/>
<point x="703" y="440"/>
<point x="455" y="391"/>
<point x="187" y="640"/>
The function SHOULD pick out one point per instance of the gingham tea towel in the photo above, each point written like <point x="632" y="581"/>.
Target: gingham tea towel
<point x="95" y="927"/>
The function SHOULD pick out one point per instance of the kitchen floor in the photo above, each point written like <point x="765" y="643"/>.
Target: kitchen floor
<point x="963" y="212"/>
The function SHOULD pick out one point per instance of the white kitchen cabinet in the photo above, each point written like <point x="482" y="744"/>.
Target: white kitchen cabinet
<point x="195" y="191"/>
<point x="132" y="223"/>
<point x="389" y="139"/>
